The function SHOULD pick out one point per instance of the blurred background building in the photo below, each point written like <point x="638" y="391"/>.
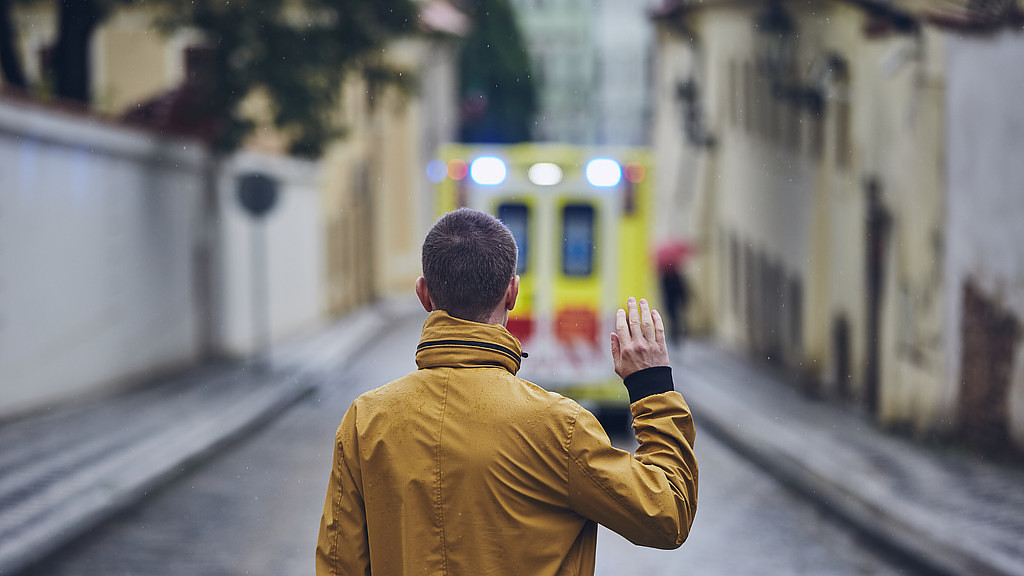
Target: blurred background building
<point x="591" y="60"/>
<point x="126" y="251"/>
<point x="848" y="171"/>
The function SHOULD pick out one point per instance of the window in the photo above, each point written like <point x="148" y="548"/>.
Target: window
<point x="734" y="88"/>
<point x="796" y="316"/>
<point x="815" y="134"/>
<point x="734" y="273"/>
<point x="578" y="240"/>
<point x="774" y="118"/>
<point x="843" y="144"/>
<point x="763" y="106"/>
<point x="749" y="113"/>
<point x="517" y="217"/>
<point x="790" y="125"/>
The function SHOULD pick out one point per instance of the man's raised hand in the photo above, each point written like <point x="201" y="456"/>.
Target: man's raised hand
<point x="639" y="338"/>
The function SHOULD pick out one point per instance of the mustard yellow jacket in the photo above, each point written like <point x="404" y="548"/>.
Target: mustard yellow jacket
<point x="460" y="468"/>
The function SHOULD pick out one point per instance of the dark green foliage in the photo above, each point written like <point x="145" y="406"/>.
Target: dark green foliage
<point x="497" y="92"/>
<point x="297" y="51"/>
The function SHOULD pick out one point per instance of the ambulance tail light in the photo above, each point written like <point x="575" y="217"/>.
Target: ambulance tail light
<point x="521" y="328"/>
<point x="577" y="325"/>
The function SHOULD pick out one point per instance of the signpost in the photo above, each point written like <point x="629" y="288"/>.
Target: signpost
<point x="258" y="194"/>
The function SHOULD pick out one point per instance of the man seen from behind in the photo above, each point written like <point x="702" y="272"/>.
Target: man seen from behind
<point x="461" y="468"/>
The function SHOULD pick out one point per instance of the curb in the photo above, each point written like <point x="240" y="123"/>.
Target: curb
<point x="155" y="462"/>
<point x="177" y="450"/>
<point x="870" y="519"/>
<point x="864" y="505"/>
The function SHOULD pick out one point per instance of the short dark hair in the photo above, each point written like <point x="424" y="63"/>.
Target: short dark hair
<point x="469" y="257"/>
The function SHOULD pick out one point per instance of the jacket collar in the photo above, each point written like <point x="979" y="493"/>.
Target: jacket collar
<point x="453" y="342"/>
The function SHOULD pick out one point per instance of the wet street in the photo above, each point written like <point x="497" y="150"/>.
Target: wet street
<point x="255" y="509"/>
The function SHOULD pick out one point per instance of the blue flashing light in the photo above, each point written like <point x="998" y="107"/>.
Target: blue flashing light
<point x="488" y="170"/>
<point x="437" y="171"/>
<point x="603" y="172"/>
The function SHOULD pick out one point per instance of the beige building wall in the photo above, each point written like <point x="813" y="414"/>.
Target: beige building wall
<point x="345" y="177"/>
<point x="378" y="202"/>
<point x="676" y="163"/>
<point x="913" y="378"/>
<point x="402" y="167"/>
<point x="135" y="62"/>
<point x="782" y="202"/>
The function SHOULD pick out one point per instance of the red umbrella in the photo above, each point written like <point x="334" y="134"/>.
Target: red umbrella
<point x="672" y="253"/>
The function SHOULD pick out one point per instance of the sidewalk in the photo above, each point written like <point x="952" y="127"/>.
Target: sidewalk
<point x="950" y="513"/>
<point x="66" y="470"/>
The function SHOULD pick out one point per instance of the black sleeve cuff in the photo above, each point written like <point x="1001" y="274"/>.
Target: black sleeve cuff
<point x="648" y="382"/>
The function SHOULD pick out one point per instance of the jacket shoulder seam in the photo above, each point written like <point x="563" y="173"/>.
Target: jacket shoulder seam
<point x="437" y="476"/>
<point x="615" y="497"/>
<point x="618" y="499"/>
<point x="568" y="451"/>
<point x="336" y="541"/>
<point x="612" y="495"/>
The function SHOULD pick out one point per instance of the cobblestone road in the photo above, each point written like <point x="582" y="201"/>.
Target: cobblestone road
<point x="256" y="509"/>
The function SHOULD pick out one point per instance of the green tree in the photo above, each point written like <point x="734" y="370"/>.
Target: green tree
<point x="296" y="51"/>
<point x="496" y="89"/>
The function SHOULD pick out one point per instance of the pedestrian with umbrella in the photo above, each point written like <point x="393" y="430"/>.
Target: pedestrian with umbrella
<point x="670" y="257"/>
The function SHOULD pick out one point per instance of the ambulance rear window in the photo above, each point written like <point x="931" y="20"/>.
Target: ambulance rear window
<point x="517" y="217"/>
<point x="578" y="240"/>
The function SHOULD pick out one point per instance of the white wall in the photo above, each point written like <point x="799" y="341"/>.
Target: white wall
<point x="97" y="235"/>
<point x="295" y="256"/>
<point x="984" y="233"/>
<point x="100" y="229"/>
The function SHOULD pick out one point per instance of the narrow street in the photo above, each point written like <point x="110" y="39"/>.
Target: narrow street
<point x="255" y="509"/>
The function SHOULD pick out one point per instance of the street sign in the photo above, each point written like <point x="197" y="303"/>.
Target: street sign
<point x="257" y="193"/>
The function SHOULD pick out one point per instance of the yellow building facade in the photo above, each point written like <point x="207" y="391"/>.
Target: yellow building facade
<point x="803" y="147"/>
